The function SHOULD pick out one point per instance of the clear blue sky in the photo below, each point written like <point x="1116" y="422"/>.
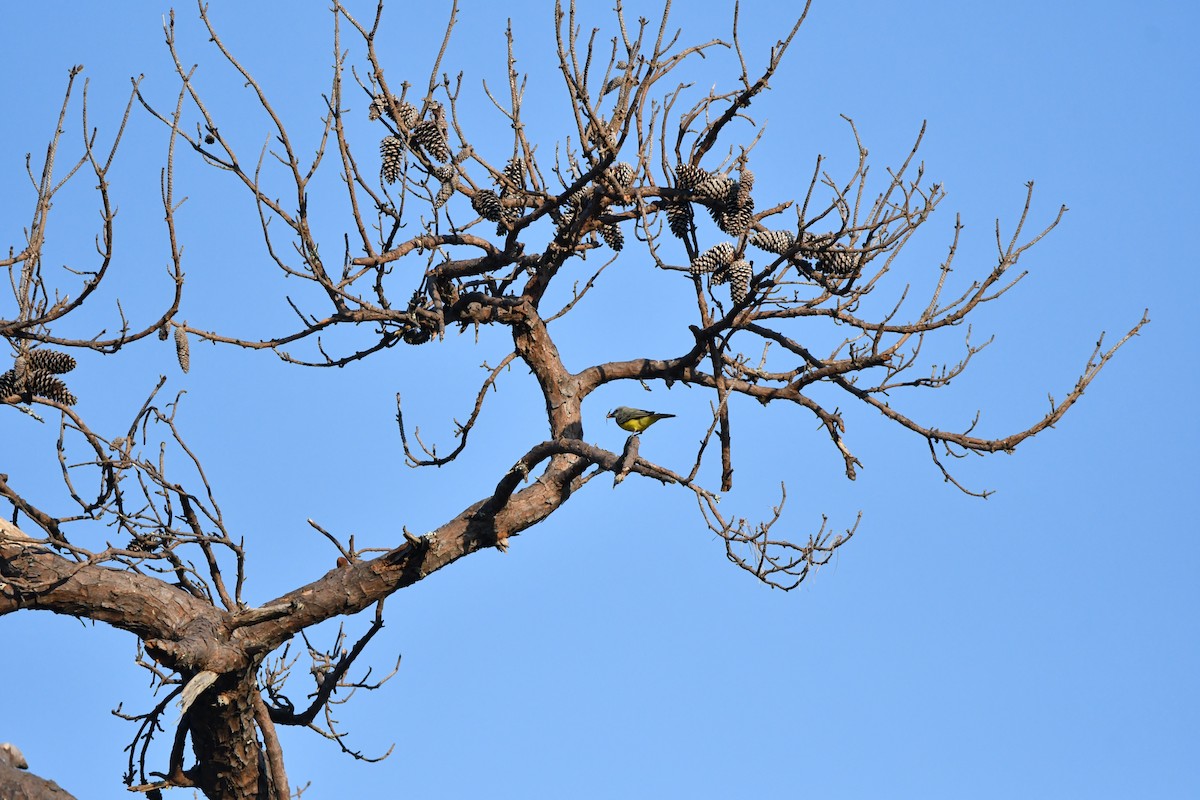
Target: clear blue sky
<point x="1042" y="643"/>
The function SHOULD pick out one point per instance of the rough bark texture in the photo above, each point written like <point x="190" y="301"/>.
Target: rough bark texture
<point x="17" y="783"/>
<point x="225" y="739"/>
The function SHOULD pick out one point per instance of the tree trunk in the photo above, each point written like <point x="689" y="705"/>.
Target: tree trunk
<point x="229" y="761"/>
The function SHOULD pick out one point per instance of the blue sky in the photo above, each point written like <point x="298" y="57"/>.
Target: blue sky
<point x="1041" y="643"/>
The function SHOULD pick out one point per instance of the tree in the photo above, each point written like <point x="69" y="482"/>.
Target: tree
<point x="460" y="232"/>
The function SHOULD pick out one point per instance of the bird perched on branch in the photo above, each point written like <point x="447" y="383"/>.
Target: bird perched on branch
<point x="635" y="419"/>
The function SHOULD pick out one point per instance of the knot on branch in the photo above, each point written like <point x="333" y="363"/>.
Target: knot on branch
<point x="205" y="644"/>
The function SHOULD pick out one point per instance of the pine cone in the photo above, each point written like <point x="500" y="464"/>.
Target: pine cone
<point x="740" y="273"/>
<point x="143" y="543"/>
<point x="513" y="186"/>
<point x="622" y="173"/>
<point x="514" y="170"/>
<point x="377" y="108"/>
<point x="581" y="197"/>
<point x="508" y="217"/>
<point x="391" y="152"/>
<point x="43" y="384"/>
<point x="679" y="217"/>
<point x="687" y="177"/>
<point x="811" y="245"/>
<point x="408" y="115"/>
<point x="778" y="242"/>
<point x="719" y="255"/>
<point x="417" y="335"/>
<point x="182" y="351"/>
<point x="565" y="219"/>
<point x="429" y="137"/>
<point x="734" y="220"/>
<point x="444" y="193"/>
<point x="744" y="185"/>
<point x="54" y="361"/>
<point x="8" y="384"/>
<point x="487" y="205"/>
<point x="720" y="188"/>
<point x="839" y="261"/>
<point x="613" y="236"/>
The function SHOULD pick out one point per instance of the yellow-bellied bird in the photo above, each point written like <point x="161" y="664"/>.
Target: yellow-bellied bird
<point x="635" y="419"/>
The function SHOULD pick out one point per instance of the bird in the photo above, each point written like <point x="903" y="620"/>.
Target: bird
<point x="635" y="420"/>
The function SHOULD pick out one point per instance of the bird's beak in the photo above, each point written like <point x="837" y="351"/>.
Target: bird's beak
<point x="610" y="415"/>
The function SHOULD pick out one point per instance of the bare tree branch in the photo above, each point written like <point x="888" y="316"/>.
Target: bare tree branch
<point x="811" y="302"/>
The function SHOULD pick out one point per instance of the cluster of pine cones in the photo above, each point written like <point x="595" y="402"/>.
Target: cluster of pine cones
<point x="428" y="135"/>
<point x="490" y="205"/>
<point x="33" y="376"/>
<point x="731" y="206"/>
<point x="825" y="254"/>
<point x="720" y="263"/>
<point x="621" y="176"/>
<point x="728" y="201"/>
<point x="723" y="264"/>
